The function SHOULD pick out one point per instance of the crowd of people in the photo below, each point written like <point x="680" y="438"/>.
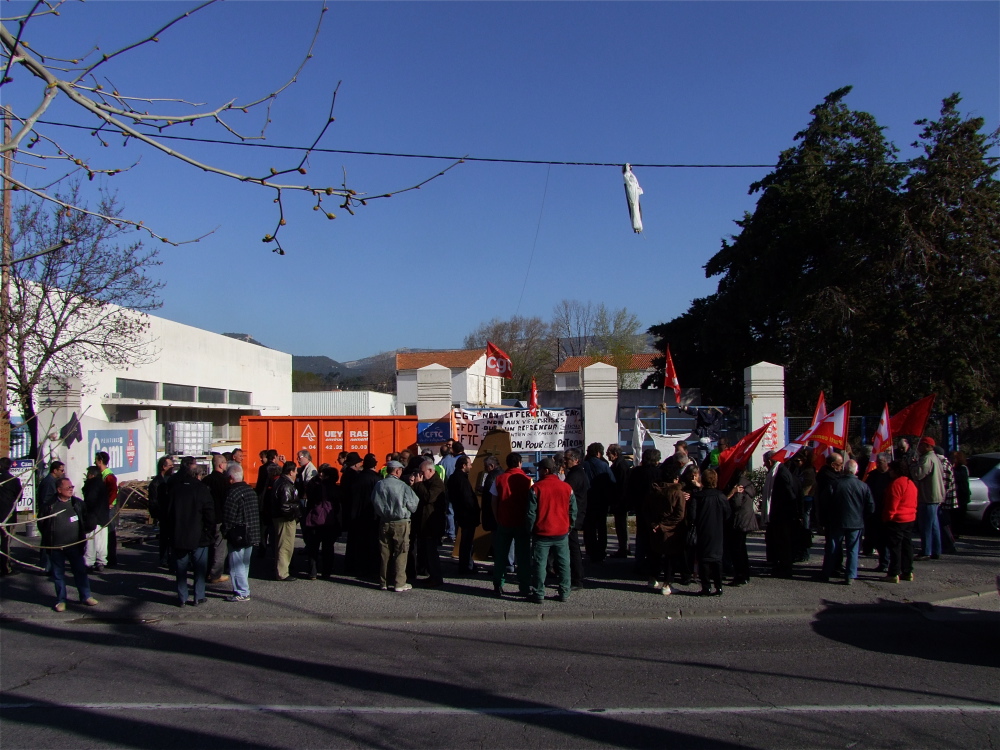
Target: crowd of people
<point x="395" y="518"/>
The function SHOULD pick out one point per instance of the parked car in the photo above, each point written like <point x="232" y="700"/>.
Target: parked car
<point x="984" y="482"/>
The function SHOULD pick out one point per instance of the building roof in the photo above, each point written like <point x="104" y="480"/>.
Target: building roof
<point x="640" y="362"/>
<point x="453" y="358"/>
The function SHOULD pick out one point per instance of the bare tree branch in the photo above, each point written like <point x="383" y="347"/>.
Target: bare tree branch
<point x="116" y="113"/>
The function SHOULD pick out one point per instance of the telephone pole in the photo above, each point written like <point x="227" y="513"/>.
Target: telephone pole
<point x="5" y="267"/>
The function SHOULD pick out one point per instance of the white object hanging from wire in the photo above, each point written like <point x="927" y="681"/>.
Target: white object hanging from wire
<point x="632" y="193"/>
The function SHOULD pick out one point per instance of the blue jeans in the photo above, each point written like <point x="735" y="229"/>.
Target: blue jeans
<point x="838" y="540"/>
<point x="930" y="530"/>
<point x="449" y="522"/>
<point x="197" y="559"/>
<point x="74" y="556"/>
<point x="239" y="570"/>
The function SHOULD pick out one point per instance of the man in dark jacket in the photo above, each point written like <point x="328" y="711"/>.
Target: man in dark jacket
<point x="785" y="519"/>
<point x="285" y="513"/>
<point x="95" y="500"/>
<point x="363" y="556"/>
<point x="874" y="539"/>
<point x="640" y="482"/>
<point x="429" y="521"/>
<point x="851" y="500"/>
<point x="576" y="478"/>
<point x="190" y="525"/>
<point x="157" y="493"/>
<point x="827" y="479"/>
<point x="620" y="468"/>
<point x="47" y="496"/>
<point x="465" y="506"/>
<point x="218" y="484"/>
<point x="66" y="533"/>
<point x="602" y="494"/>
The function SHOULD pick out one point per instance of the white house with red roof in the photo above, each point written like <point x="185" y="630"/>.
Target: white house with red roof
<point x="469" y="382"/>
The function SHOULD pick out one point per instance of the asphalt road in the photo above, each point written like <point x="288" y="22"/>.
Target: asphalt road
<point x="847" y="680"/>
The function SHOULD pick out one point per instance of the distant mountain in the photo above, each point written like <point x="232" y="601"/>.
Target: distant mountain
<point x="245" y="337"/>
<point x="319" y="365"/>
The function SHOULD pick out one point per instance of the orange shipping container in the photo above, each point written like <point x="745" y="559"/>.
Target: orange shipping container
<point x="324" y="438"/>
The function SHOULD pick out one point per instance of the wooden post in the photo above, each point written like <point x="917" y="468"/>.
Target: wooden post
<point x="5" y="290"/>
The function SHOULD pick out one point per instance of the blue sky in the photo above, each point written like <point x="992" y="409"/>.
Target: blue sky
<point x="649" y="82"/>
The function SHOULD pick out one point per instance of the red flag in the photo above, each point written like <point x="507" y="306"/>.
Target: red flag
<point x="533" y="400"/>
<point x="883" y="438"/>
<point x="670" y="376"/>
<point x="831" y="430"/>
<point x="799" y="443"/>
<point x="497" y="362"/>
<point x="735" y="458"/>
<point x="912" y="419"/>
<point x="820" y="454"/>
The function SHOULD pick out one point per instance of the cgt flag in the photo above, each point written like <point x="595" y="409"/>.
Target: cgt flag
<point x="831" y="430"/>
<point x="670" y="376"/>
<point x="533" y="400"/>
<point x="912" y="419"/>
<point x="883" y="438"/>
<point x="734" y="459"/>
<point x="498" y="364"/>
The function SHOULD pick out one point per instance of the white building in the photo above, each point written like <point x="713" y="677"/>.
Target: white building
<point x="187" y="375"/>
<point x="568" y="374"/>
<point x="469" y="382"/>
<point x="343" y="403"/>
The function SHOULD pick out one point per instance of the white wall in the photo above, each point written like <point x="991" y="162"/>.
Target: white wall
<point x="191" y="356"/>
<point x="343" y="403"/>
<point x="466" y="385"/>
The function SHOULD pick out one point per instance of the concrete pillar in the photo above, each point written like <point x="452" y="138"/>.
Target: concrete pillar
<point x="433" y="393"/>
<point x="600" y="404"/>
<point x="60" y="434"/>
<point x="764" y="397"/>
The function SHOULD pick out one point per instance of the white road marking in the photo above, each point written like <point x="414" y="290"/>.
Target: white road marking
<point x="525" y="710"/>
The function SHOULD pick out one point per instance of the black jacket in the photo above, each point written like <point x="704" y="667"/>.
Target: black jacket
<point x="218" y="484"/>
<point x="189" y="517"/>
<point x="489" y="521"/>
<point x="576" y="478"/>
<point x="95" y="500"/>
<point x="463" y="500"/>
<point x="852" y="500"/>
<point x="69" y="526"/>
<point x="708" y="511"/>
<point x="285" y="506"/>
<point x="430" y="516"/>
<point x="361" y="495"/>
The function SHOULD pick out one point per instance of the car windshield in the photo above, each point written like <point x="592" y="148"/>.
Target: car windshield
<point x="979" y="466"/>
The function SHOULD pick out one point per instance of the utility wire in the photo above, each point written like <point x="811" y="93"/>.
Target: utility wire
<point x="493" y="160"/>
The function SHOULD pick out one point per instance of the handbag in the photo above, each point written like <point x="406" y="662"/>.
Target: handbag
<point x="236" y="536"/>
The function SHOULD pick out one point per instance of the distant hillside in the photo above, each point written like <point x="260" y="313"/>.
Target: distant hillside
<point x="245" y="337"/>
<point x="318" y="365"/>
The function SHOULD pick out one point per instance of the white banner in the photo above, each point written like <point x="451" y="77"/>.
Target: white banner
<point x="551" y="430"/>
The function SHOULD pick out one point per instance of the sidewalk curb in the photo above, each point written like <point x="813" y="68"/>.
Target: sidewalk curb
<point x="545" y="615"/>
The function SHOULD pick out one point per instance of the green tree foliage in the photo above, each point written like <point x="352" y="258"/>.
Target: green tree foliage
<point x="865" y="277"/>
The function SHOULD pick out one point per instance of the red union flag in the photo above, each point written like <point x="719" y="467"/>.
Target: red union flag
<point x="533" y="400"/>
<point x="737" y="457"/>
<point x="670" y="376"/>
<point x="497" y="362"/>
<point x="883" y="438"/>
<point x="912" y="419"/>
<point x="831" y="430"/>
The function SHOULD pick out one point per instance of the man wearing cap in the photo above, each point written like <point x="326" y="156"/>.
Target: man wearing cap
<point x="551" y="514"/>
<point x="929" y="477"/>
<point x="394" y="503"/>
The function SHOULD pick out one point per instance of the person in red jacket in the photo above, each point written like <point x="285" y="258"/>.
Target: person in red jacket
<point x="899" y="511"/>
<point x="509" y="502"/>
<point x="551" y="514"/>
